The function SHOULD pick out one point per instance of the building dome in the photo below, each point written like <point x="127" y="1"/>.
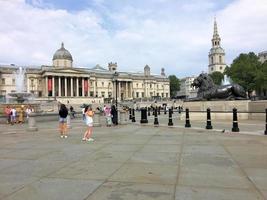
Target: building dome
<point x="62" y="53"/>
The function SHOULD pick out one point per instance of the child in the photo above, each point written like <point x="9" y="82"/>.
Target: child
<point x="107" y="112"/>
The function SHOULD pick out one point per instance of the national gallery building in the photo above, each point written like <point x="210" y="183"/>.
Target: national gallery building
<point x="62" y="81"/>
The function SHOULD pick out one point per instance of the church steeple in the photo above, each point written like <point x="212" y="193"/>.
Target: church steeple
<point x="216" y="54"/>
<point x="216" y="40"/>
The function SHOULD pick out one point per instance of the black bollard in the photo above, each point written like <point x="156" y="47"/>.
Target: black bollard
<point x="266" y="122"/>
<point x="143" y="116"/>
<point x="187" y="120"/>
<point x="165" y="110"/>
<point x="170" y="118"/>
<point x="235" y="121"/>
<point x="133" y="117"/>
<point x="156" y="121"/>
<point x="159" y="110"/>
<point x="130" y="114"/>
<point x="209" y="126"/>
<point x="148" y="111"/>
<point x="179" y="109"/>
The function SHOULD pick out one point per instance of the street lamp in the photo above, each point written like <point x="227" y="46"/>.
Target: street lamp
<point x="115" y="78"/>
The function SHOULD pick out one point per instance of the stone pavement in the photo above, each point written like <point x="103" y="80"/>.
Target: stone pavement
<point x="131" y="162"/>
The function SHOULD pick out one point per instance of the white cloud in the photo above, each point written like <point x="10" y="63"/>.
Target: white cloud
<point x="171" y="34"/>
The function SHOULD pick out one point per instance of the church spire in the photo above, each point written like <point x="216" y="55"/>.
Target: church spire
<point x="216" y="38"/>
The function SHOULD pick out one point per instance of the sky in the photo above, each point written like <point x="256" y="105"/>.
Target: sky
<point x="171" y="34"/>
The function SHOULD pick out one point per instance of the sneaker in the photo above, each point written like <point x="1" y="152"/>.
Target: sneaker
<point x="90" y="140"/>
<point x="65" y="136"/>
<point x="84" y="139"/>
<point x="62" y="136"/>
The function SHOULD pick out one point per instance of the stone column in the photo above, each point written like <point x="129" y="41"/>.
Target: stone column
<point x="71" y="86"/>
<point x="46" y="86"/>
<point x="94" y="88"/>
<point x="53" y="86"/>
<point x="119" y="90"/>
<point x="59" y="86"/>
<point x="77" y="86"/>
<point x="82" y="86"/>
<point x="126" y="90"/>
<point x="28" y="85"/>
<point x="66" y="94"/>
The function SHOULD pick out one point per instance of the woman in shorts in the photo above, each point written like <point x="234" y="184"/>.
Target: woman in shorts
<point x="89" y="122"/>
<point x="63" y="113"/>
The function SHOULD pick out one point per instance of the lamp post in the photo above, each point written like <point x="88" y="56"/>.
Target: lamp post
<point x="116" y="74"/>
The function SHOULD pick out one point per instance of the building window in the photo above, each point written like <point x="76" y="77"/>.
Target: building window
<point x="137" y="94"/>
<point x="3" y="81"/>
<point x="91" y="94"/>
<point x="211" y="59"/>
<point x="96" y="94"/>
<point x="103" y="94"/>
<point x="32" y="82"/>
<point x="102" y="84"/>
<point x="150" y="85"/>
<point x="143" y="94"/>
<point x="3" y="92"/>
<point x="166" y="94"/>
<point x="220" y="67"/>
<point x="212" y="69"/>
<point x="137" y="85"/>
<point x="109" y="94"/>
<point x="220" y="58"/>
<point x="162" y="94"/>
<point x="40" y="81"/>
<point x="13" y="81"/>
<point x="96" y="83"/>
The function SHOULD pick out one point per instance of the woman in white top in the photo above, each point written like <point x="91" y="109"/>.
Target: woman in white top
<point x="89" y="122"/>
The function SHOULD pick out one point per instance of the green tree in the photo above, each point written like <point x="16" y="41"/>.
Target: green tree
<point x="217" y="77"/>
<point x="261" y="79"/>
<point x="174" y="85"/>
<point x="244" y="70"/>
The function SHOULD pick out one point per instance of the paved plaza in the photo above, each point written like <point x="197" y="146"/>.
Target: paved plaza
<point x="132" y="162"/>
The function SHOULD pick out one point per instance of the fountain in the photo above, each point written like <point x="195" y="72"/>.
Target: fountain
<point x="226" y="80"/>
<point x="20" y="96"/>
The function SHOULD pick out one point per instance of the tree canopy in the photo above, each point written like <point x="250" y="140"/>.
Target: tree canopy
<point x="217" y="77"/>
<point x="174" y="85"/>
<point x="247" y="71"/>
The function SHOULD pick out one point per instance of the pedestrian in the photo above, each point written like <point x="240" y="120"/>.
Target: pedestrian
<point x="21" y="115"/>
<point x="28" y="111"/>
<point x="89" y="122"/>
<point x="114" y="115"/>
<point x="107" y="113"/>
<point x="63" y="113"/>
<point x="13" y="115"/>
<point x="72" y="112"/>
<point x="83" y="109"/>
<point x="8" y="114"/>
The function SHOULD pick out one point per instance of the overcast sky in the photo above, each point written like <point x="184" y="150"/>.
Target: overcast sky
<point x="174" y="34"/>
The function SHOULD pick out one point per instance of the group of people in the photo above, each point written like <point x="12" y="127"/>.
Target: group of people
<point x="17" y="114"/>
<point x="110" y="114"/>
<point x="87" y="117"/>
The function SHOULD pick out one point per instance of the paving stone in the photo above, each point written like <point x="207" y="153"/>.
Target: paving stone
<point x="87" y="170"/>
<point x="258" y="176"/>
<point x="204" y="149"/>
<point x="111" y="156"/>
<point x="155" y="157"/>
<point x="122" y="147"/>
<point x="210" y="193"/>
<point x="54" y="189"/>
<point x="161" y="148"/>
<point x="146" y="173"/>
<point x="132" y="191"/>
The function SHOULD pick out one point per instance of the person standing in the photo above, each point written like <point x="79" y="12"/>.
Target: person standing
<point x="13" y="115"/>
<point x="21" y="114"/>
<point x="114" y="114"/>
<point x="8" y="114"/>
<point x="107" y="112"/>
<point x="83" y="109"/>
<point x="63" y="113"/>
<point x="28" y="111"/>
<point x="89" y="122"/>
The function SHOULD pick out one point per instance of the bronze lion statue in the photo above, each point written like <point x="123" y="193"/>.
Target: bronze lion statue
<point x="207" y="90"/>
